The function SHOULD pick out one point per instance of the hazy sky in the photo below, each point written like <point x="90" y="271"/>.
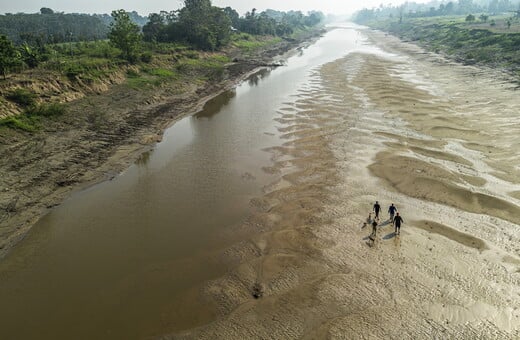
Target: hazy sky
<point x="144" y="7"/>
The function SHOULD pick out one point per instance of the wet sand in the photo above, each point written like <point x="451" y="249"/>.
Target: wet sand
<point x="400" y="126"/>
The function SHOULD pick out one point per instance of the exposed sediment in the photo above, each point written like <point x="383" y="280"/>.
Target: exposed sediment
<point x="368" y="128"/>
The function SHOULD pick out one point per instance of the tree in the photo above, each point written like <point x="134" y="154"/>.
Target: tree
<point x="233" y="16"/>
<point x="203" y="25"/>
<point x="8" y="55"/>
<point x="125" y="35"/>
<point x="45" y="10"/>
<point x="465" y="6"/>
<point x="221" y="25"/>
<point x="470" y="18"/>
<point x="401" y="11"/>
<point x="449" y="8"/>
<point x="153" y="28"/>
<point x="483" y="17"/>
<point x="29" y="55"/>
<point x="314" y="18"/>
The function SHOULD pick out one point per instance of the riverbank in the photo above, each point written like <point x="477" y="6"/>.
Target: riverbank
<point x="397" y="125"/>
<point x="99" y="136"/>
<point x="487" y="44"/>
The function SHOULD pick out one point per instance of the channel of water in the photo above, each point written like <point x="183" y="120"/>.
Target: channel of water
<point x="126" y="258"/>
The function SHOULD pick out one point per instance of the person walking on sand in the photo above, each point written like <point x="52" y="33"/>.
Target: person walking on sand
<point x="391" y="210"/>
<point x="377" y="209"/>
<point x="374" y="229"/>
<point x="397" y="222"/>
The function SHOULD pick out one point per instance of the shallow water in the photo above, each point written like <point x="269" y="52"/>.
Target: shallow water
<point x="127" y="258"/>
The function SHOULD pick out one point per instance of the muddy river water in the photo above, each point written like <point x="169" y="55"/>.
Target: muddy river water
<point x="269" y="187"/>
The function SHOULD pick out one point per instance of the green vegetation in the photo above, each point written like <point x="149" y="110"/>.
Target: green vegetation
<point x="79" y="50"/>
<point x="75" y="45"/>
<point x="460" y="40"/>
<point x="210" y="28"/>
<point x="30" y="119"/>
<point x="20" y="122"/>
<point x="434" y="9"/>
<point x="248" y="42"/>
<point x="45" y="110"/>
<point x="209" y="68"/>
<point x="8" y="55"/>
<point x="125" y="35"/>
<point x="149" y="77"/>
<point x="22" y="97"/>
<point x="48" y="27"/>
<point x="455" y="30"/>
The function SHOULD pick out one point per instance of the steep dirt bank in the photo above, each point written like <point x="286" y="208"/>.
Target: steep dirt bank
<point x="99" y="136"/>
<point x="52" y="87"/>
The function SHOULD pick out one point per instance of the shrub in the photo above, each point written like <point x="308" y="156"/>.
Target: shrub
<point x="132" y="74"/>
<point x="22" y="97"/>
<point x="191" y="54"/>
<point x="161" y="73"/>
<point x="21" y="122"/>
<point x="146" y="57"/>
<point x="138" y="82"/>
<point x="46" y="110"/>
<point x="73" y="71"/>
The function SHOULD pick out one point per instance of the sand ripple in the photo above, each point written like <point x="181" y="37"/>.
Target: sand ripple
<point x="407" y="130"/>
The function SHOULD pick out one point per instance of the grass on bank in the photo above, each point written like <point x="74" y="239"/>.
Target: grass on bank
<point x="30" y="119"/>
<point x="470" y="42"/>
<point x="248" y="43"/>
<point x="22" y="97"/>
<point x="88" y="62"/>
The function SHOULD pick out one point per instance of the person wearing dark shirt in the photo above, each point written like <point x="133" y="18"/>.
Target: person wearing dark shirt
<point x="391" y="210"/>
<point x="377" y="209"/>
<point x="397" y="222"/>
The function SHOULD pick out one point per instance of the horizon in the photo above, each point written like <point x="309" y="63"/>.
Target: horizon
<point x="100" y="7"/>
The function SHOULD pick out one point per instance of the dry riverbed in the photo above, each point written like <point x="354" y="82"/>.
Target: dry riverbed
<point x="400" y="126"/>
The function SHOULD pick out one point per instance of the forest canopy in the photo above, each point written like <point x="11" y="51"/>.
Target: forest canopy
<point x="198" y="22"/>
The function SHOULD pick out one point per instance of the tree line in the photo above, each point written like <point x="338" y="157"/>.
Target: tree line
<point x="49" y="27"/>
<point x="24" y="37"/>
<point x="208" y="27"/>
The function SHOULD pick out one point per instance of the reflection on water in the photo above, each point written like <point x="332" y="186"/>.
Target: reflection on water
<point x="254" y="79"/>
<point x="214" y="105"/>
<point x="144" y="158"/>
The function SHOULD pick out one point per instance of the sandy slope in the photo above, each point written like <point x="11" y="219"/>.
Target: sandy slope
<point x="411" y="129"/>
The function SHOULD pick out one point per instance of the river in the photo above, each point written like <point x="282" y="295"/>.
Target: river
<point x="270" y="183"/>
<point x="120" y="259"/>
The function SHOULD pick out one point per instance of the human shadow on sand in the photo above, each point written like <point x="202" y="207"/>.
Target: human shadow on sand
<point x="385" y="223"/>
<point x="389" y="236"/>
